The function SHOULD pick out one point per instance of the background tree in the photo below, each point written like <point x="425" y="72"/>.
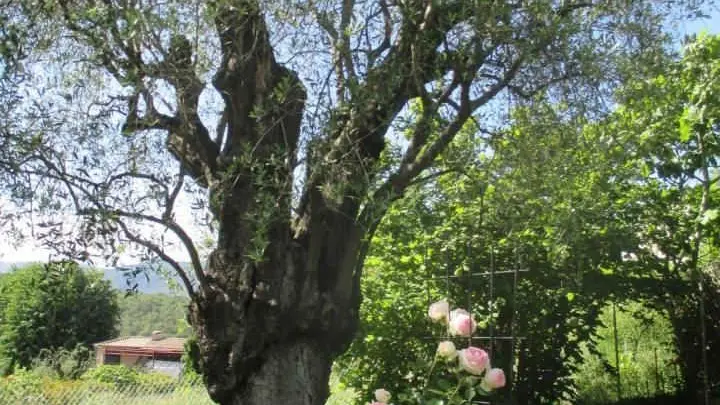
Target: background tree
<point x="293" y="202"/>
<point x="670" y="126"/>
<point x="598" y="211"/>
<point x="53" y="306"/>
<point x="647" y="355"/>
<point x="141" y="314"/>
<point x="539" y="200"/>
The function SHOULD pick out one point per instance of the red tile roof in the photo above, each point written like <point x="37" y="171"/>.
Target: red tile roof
<point x="143" y="345"/>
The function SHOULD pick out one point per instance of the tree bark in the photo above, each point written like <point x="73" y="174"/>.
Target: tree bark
<point x="269" y="339"/>
<point x="293" y="373"/>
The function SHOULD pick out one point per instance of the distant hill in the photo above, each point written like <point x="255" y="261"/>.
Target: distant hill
<point x="7" y="266"/>
<point x="141" y="314"/>
<point x="145" y="278"/>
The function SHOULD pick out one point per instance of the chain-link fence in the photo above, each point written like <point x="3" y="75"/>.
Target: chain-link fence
<point x="26" y="390"/>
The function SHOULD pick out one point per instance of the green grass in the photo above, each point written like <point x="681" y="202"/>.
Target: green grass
<point x="194" y="396"/>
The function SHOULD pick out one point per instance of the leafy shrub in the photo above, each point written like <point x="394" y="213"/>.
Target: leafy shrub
<point x="190" y="358"/>
<point x="120" y="377"/>
<point x="646" y="353"/>
<point x="27" y="385"/>
<point x="62" y="363"/>
<point x="20" y="385"/>
<point x="156" y="382"/>
<point x="340" y="394"/>
<point x="103" y="386"/>
<point x="115" y="375"/>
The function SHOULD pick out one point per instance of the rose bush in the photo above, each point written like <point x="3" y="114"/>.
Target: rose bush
<point x="461" y="374"/>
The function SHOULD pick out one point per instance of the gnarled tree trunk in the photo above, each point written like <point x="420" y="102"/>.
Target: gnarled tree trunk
<point x="277" y="303"/>
<point x="272" y="343"/>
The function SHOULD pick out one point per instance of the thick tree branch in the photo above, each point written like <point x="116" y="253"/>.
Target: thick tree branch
<point x="152" y="119"/>
<point x="188" y="139"/>
<point x="161" y="254"/>
<point x="387" y="34"/>
<point x="359" y="138"/>
<point x="170" y="200"/>
<point x="169" y="224"/>
<point x="73" y="183"/>
<point x="401" y="77"/>
<point x="344" y="46"/>
<point x="499" y="85"/>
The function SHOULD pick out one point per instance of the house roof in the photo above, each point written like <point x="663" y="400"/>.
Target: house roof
<point x="144" y="345"/>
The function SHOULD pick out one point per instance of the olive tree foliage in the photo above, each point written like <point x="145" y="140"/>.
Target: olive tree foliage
<point x="280" y="120"/>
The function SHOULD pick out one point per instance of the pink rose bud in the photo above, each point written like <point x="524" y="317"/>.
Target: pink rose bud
<point x="494" y="378"/>
<point x="438" y="311"/>
<point x="447" y="350"/>
<point x="462" y="323"/>
<point x="474" y="360"/>
<point x="382" y="395"/>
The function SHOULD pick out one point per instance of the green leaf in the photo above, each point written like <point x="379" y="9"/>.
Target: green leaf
<point x="684" y="127"/>
<point x="709" y="216"/>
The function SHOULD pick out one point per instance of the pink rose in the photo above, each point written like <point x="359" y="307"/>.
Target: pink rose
<point x="474" y="360"/>
<point x="462" y="323"/>
<point x="438" y="311"/>
<point x="382" y="395"/>
<point x="447" y="350"/>
<point x="494" y="378"/>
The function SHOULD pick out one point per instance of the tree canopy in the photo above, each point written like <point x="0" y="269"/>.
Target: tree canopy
<point x="292" y="127"/>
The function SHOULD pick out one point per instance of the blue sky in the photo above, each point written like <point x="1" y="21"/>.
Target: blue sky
<point x="711" y="25"/>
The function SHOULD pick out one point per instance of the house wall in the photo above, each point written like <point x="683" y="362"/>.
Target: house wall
<point x="100" y="356"/>
<point x="172" y="368"/>
<point x="131" y="359"/>
<point x="167" y="364"/>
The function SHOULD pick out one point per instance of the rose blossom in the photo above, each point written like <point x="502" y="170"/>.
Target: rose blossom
<point x="438" y="311"/>
<point x="447" y="350"/>
<point x="494" y="378"/>
<point x="474" y="360"/>
<point x="382" y="395"/>
<point x="462" y="323"/>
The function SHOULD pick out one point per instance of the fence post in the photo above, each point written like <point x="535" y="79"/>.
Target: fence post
<point x="658" y="391"/>
<point x="617" y="354"/>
